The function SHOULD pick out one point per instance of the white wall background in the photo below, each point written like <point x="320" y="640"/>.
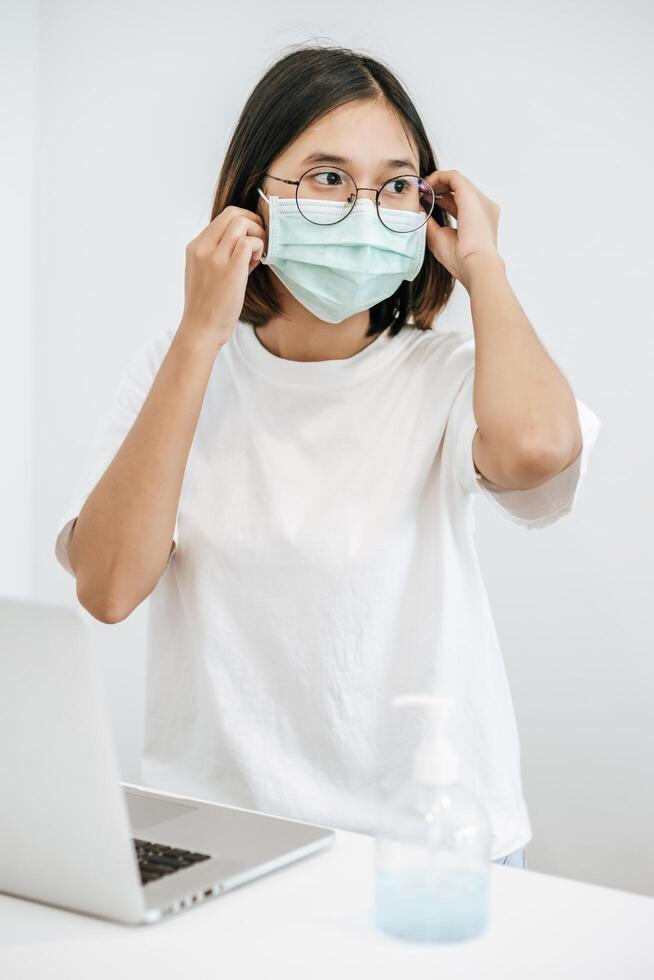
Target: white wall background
<point x="18" y="94"/>
<point x="546" y="107"/>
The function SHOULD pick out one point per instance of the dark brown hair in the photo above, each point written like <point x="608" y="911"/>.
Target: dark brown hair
<point x="293" y="93"/>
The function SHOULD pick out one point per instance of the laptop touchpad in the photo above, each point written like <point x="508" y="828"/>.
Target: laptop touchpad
<point x="145" y="811"/>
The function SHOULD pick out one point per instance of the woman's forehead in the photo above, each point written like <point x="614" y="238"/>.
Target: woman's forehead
<point x="355" y="136"/>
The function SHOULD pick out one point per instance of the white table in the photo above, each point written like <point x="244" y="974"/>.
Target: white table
<point x="313" y="920"/>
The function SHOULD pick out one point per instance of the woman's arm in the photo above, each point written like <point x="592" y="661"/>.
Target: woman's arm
<point x="528" y="425"/>
<point x="122" y="539"/>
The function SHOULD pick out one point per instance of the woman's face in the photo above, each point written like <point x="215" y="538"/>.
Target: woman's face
<point x="365" y="138"/>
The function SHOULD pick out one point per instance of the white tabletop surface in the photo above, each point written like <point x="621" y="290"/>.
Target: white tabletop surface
<point x="313" y="920"/>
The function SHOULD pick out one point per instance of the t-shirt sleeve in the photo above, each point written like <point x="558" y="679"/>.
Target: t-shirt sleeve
<point x="109" y="435"/>
<point x="536" y="507"/>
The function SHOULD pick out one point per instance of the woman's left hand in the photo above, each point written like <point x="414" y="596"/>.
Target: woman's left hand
<point x="476" y="216"/>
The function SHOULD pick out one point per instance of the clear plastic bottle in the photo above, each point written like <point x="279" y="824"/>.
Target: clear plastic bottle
<point x="432" y="849"/>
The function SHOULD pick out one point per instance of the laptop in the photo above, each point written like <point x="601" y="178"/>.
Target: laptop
<point x="72" y="834"/>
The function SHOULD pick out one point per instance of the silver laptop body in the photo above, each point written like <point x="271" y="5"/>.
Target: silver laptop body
<point x="69" y="829"/>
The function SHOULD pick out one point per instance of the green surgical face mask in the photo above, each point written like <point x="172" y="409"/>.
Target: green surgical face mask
<point x="342" y="268"/>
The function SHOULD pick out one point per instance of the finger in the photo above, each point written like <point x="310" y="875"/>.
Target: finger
<point x="238" y="227"/>
<point x="447" y="203"/>
<point x="439" y="240"/>
<point x="247" y="253"/>
<point x="211" y="236"/>
<point x="447" y="181"/>
<point x="256" y="253"/>
<point x="253" y="249"/>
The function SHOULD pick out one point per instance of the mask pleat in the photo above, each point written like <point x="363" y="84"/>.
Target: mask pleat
<point x="344" y="267"/>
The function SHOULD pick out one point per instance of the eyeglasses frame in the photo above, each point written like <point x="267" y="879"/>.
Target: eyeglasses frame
<point x="357" y="189"/>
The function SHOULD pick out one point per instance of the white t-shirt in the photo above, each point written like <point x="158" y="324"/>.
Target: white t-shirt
<point x="325" y="560"/>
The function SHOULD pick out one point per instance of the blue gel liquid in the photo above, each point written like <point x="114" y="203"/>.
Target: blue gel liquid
<point x="440" y="907"/>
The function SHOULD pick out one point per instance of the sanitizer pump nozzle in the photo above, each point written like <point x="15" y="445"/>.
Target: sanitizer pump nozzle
<point x="434" y="761"/>
<point x="432" y="852"/>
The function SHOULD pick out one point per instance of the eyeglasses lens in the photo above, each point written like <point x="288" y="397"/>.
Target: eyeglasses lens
<point x="405" y="202"/>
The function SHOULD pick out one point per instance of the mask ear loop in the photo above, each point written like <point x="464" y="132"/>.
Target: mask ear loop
<point x="264" y="255"/>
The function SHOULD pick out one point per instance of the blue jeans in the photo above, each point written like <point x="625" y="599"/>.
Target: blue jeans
<point x="517" y="859"/>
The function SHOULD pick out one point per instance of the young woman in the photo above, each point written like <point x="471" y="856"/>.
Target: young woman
<point x="290" y="473"/>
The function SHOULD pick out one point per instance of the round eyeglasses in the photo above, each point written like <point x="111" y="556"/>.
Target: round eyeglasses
<point x="396" y="200"/>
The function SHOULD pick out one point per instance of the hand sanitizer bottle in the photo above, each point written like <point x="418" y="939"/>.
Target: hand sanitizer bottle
<point x="432" y="849"/>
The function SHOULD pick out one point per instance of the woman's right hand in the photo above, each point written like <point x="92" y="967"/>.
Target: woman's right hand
<point x="218" y="263"/>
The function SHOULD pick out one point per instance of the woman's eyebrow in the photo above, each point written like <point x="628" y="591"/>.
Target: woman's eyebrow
<point x="320" y="157"/>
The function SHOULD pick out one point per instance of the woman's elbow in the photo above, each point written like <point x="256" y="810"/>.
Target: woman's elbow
<point x="103" y="608"/>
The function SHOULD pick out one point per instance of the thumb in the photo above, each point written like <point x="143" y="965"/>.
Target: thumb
<point x="440" y="240"/>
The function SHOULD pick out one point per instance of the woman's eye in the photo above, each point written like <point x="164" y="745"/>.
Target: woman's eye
<point x="397" y="186"/>
<point x="332" y="179"/>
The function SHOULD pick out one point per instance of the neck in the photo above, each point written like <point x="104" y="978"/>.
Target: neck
<point x="301" y="336"/>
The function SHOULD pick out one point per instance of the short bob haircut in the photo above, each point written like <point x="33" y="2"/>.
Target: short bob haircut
<point x="294" y="92"/>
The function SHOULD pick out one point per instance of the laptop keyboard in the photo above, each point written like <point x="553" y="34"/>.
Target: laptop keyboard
<point x="157" y="860"/>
